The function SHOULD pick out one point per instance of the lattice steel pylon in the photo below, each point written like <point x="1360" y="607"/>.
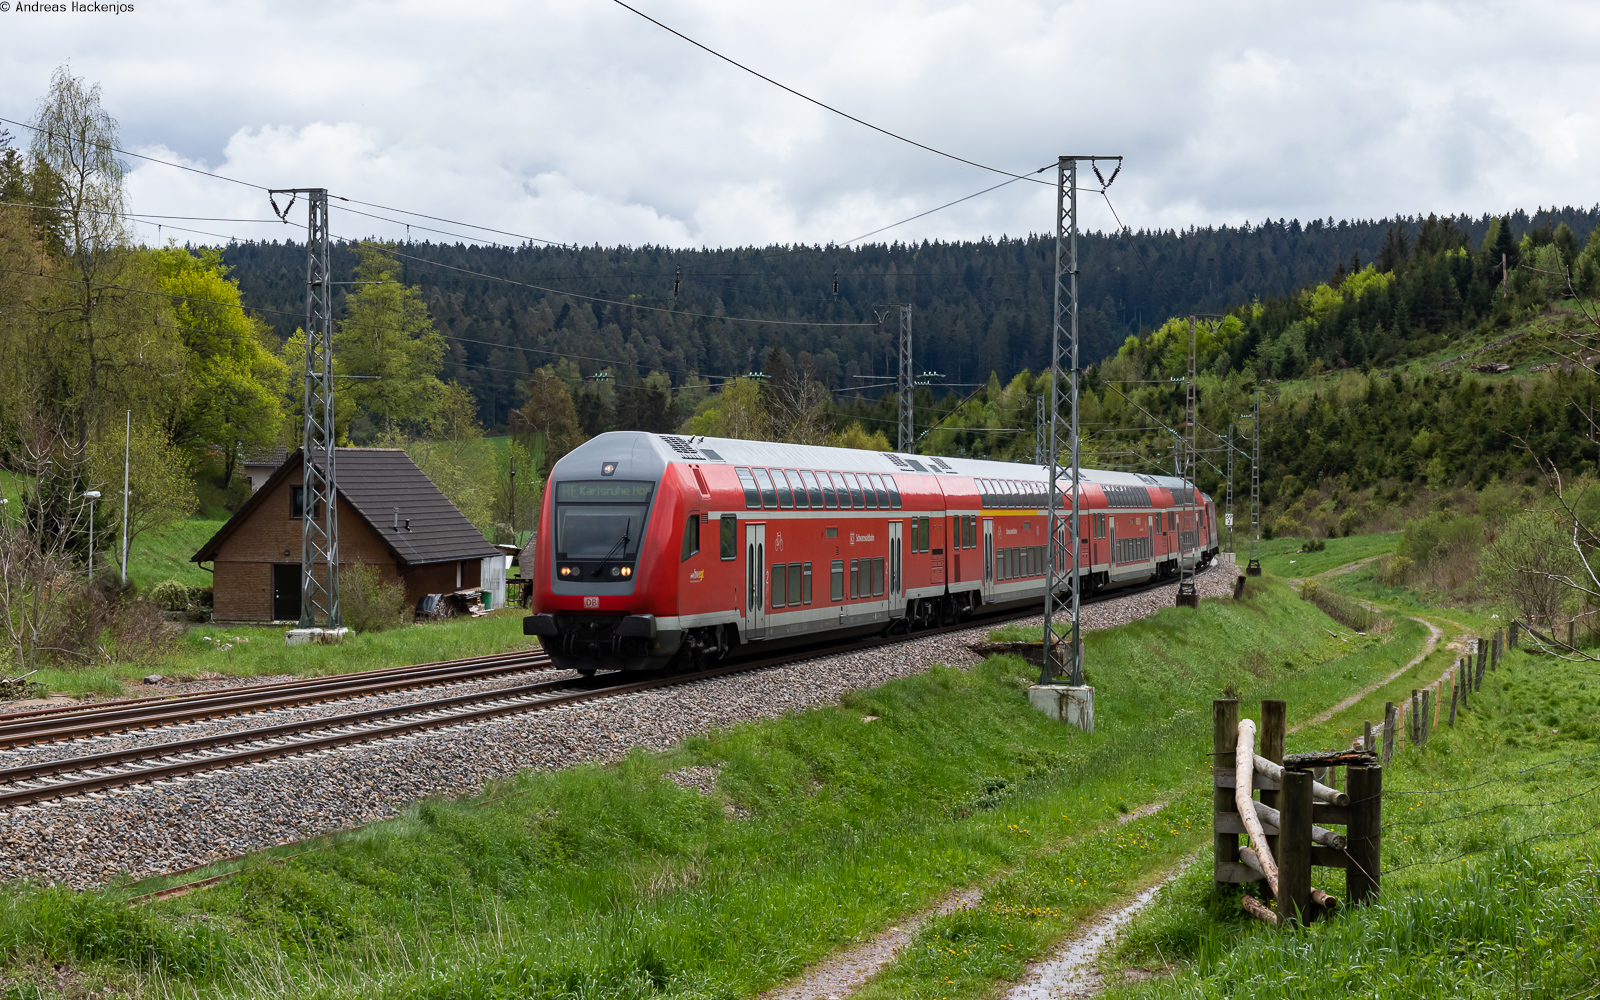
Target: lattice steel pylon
<point x="1229" y="519"/>
<point x="906" y="384"/>
<point x="1062" y="570"/>
<point x="1188" y="595"/>
<point x="1254" y="566"/>
<point x="319" y="526"/>
<point x="1041" y="429"/>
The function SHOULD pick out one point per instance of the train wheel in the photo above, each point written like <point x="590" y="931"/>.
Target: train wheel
<point x="586" y="671"/>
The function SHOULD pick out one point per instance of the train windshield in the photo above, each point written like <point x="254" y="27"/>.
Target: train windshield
<point x="601" y="521"/>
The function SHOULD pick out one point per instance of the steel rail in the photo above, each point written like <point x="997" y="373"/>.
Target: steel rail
<point x="112" y="758"/>
<point x="85" y="709"/>
<point x="241" y="701"/>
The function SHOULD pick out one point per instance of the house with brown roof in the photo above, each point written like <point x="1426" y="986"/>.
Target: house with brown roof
<point x="391" y="516"/>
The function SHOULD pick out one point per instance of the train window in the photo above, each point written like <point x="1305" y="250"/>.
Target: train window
<point x="925" y="535"/>
<point x="967" y="533"/>
<point x="805" y="584"/>
<point x="798" y="488"/>
<point x="730" y="536"/>
<point x="836" y="584"/>
<point x="855" y="578"/>
<point x="855" y="491"/>
<point x="840" y="488"/>
<point x="769" y="497"/>
<point x="1016" y="495"/>
<point x="752" y="495"/>
<point x="982" y="486"/>
<point x="813" y="491"/>
<point x="883" y="493"/>
<point x="867" y="492"/>
<point x="785" y="498"/>
<point x="1099" y="526"/>
<point x="877" y="577"/>
<point x="691" y="537"/>
<point x="894" y="492"/>
<point x="780" y="577"/>
<point x="794" y="585"/>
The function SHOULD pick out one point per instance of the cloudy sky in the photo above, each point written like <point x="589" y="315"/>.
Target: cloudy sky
<point x="578" y="121"/>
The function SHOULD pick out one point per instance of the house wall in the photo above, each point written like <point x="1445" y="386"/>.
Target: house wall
<point x="242" y="573"/>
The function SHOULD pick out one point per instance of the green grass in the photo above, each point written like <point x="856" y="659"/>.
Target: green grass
<point x="612" y="882"/>
<point x="248" y="651"/>
<point x="1282" y="556"/>
<point x="1490" y="877"/>
<point x="155" y="556"/>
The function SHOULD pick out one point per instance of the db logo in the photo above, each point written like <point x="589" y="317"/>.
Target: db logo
<point x="591" y="602"/>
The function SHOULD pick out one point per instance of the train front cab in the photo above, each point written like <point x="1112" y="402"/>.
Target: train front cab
<point x="604" y="593"/>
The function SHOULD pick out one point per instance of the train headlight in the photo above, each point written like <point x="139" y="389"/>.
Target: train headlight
<point x="627" y="571"/>
<point x="566" y="571"/>
<point x="615" y="571"/>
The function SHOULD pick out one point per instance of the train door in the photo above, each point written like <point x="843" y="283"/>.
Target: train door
<point x="897" y="578"/>
<point x="1111" y="541"/>
<point x="755" y="578"/>
<point x="1150" y="522"/>
<point x="988" y="559"/>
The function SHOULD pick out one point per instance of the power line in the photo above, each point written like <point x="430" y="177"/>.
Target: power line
<point x="614" y="302"/>
<point x="829" y="107"/>
<point x="141" y="156"/>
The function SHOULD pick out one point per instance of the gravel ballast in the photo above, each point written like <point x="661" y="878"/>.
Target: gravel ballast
<point x="156" y="829"/>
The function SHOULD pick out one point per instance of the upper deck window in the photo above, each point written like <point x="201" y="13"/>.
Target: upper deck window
<point x="813" y="491"/>
<point x="752" y="495"/>
<point x="769" y="496"/>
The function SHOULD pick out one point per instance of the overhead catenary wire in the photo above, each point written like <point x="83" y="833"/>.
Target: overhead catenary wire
<point x="827" y="107"/>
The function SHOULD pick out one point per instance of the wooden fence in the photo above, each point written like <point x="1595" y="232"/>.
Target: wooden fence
<point x="1288" y="825"/>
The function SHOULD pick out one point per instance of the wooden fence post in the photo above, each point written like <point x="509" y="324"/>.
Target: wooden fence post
<point x="1224" y="744"/>
<point x="1455" y="692"/>
<point x="1293" y="850"/>
<point x="1364" y="834"/>
<point x="1388" y="731"/>
<point x="1427" y="716"/>
<point x="1511" y="635"/>
<point x="1463" y="681"/>
<point x="1483" y="661"/>
<point x="1414" y="723"/>
<point x="1366" y="738"/>
<point x="1274" y="730"/>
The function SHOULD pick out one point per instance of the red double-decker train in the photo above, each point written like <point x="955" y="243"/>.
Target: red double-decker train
<point x="654" y="549"/>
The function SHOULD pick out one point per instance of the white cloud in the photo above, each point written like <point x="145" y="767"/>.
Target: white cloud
<point x="578" y="121"/>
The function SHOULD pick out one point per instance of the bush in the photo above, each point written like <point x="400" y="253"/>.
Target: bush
<point x="1525" y="567"/>
<point x="368" y="602"/>
<point x="170" y="595"/>
<point x="101" y="621"/>
<point x="1348" y="612"/>
<point x="1392" y="570"/>
<point x="1314" y="545"/>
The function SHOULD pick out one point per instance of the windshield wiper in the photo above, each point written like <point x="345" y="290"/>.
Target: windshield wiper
<point x="628" y="526"/>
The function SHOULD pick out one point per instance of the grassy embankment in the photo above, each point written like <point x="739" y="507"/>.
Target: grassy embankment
<point x="1490" y="876"/>
<point x="613" y="882"/>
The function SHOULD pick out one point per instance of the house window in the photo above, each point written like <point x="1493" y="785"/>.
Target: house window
<point x="297" y="503"/>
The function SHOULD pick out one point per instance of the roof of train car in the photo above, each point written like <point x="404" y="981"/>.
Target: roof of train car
<point x="732" y="451"/>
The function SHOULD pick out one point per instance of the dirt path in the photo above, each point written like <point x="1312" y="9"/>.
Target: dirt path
<point x="1072" y="971"/>
<point x="1435" y="633"/>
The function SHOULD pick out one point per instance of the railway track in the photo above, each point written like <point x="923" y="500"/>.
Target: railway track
<point x="93" y="773"/>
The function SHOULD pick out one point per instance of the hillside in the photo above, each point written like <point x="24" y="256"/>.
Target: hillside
<point x="980" y="307"/>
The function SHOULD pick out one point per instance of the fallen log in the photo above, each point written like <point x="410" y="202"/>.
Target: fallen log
<point x="1319" y="792"/>
<point x="1254" y="907"/>
<point x="1319" y="835"/>
<point x="1243" y="780"/>
<point x="1327" y="902"/>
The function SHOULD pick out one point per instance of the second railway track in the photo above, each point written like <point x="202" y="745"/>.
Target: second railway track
<point x="87" y="774"/>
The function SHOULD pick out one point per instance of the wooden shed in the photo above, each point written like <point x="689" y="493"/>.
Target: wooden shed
<point x="391" y="516"/>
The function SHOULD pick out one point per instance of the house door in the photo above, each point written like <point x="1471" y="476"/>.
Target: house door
<point x="286" y="593"/>
<point x="897" y="578"/>
<point x="755" y="579"/>
<point x="988" y="558"/>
